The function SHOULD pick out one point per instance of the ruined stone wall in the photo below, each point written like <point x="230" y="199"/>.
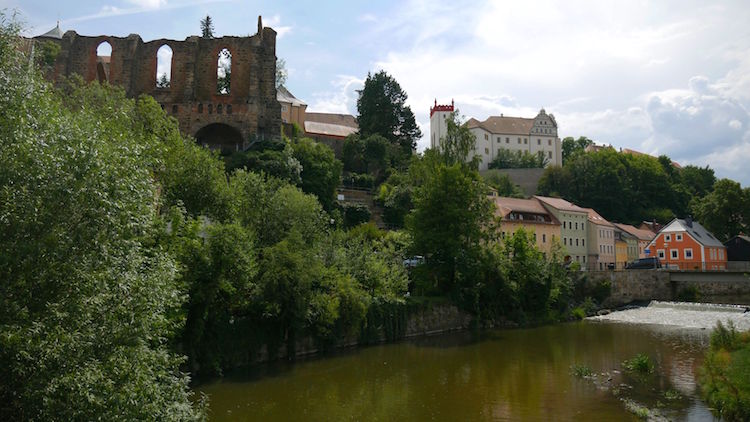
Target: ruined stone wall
<point x="250" y="109"/>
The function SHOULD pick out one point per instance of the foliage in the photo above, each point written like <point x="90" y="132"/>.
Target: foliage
<point x="508" y="159"/>
<point x="503" y="185"/>
<point x="355" y="214"/>
<point x="689" y="294"/>
<point x="224" y="72"/>
<point x="725" y="375"/>
<point x="572" y="146"/>
<point x="87" y="307"/>
<point x="372" y="154"/>
<point x="458" y="143"/>
<point x="581" y="371"/>
<point x="321" y="171"/>
<point x="383" y="111"/>
<point x="163" y="81"/>
<point x="362" y="181"/>
<point x="46" y="53"/>
<point x="640" y="363"/>
<point x="395" y="196"/>
<point x="725" y="211"/>
<point x="207" y="27"/>
<point x="273" y="158"/>
<point x="451" y="213"/>
<point x="281" y="72"/>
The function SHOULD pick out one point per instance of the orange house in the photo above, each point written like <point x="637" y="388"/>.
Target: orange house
<point x="687" y="245"/>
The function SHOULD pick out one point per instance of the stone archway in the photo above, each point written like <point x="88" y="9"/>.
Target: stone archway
<point x="220" y="136"/>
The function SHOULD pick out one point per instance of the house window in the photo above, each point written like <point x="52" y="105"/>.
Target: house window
<point x="667" y="237"/>
<point x="486" y="150"/>
<point x="519" y="141"/>
<point x="538" y="141"/>
<point x="674" y="253"/>
<point x="660" y="253"/>
<point x="721" y="254"/>
<point x="549" y="142"/>
<point x="549" y="154"/>
<point x="525" y="141"/>
<point x="576" y="242"/>
<point x="283" y="108"/>
<point x="507" y="140"/>
<point x="583" y="242"/>
<point x="564" y="224"/>
<point x="544" y="238"/>
<point x="576" y="225"/>
<point x="485" y="136"/>
<point x="688" y="253"/>
<point x="565" y="241"/>
<point x="678" y="237"/>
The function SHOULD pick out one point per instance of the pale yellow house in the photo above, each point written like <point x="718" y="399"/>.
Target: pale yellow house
<point x="643" y="236"/>
<point x="601" y="249"/>
<point x="532" y="216"/>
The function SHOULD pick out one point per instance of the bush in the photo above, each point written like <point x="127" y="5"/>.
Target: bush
<point x="355" y="214"/>
<point x="363" y="181"/>
<point x="640" y="363"/>
<point x="725" y="375"/>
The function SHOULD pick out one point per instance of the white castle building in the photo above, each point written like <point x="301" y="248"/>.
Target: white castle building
<point x="532" y="135"/>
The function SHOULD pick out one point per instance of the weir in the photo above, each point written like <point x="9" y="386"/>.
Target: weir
<point x="682" y="315"/>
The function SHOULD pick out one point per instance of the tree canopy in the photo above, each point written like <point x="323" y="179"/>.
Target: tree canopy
<point x="383" y="111"/>
<point x="207" y="27"/>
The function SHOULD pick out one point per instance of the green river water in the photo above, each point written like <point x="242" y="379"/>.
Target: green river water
<point x="518" y="374"/>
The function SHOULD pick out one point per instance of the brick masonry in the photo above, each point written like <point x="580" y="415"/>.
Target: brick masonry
<point x="228" y="121"/>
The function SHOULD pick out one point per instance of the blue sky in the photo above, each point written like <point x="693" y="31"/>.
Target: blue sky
<point x="667" y="77"/>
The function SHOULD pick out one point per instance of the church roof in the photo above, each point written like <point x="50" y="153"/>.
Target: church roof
<point x="284" y="96"/>
<point x="53" y="33"/>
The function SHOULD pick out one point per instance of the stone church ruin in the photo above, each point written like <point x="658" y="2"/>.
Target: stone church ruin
<point x="221" y="90"/>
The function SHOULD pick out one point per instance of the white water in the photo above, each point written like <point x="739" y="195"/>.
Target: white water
<point x="686" y="315"/>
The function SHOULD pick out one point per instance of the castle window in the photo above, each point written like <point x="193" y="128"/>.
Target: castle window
<point x="164" y="66"/>
<point x="200" y="108"/>
<point x="549" y="142"/>
<point x="103" y="60"/>
<point x="210" y="109"/>
<point x="519" y="141"/>
<point x="229" y="109"/>
<point x="224" y="72"/>
<point x="549" y="154"/>
<point x="538" y="141"/>
<point x="219" y="109"/>
<point x="174" y="109"/>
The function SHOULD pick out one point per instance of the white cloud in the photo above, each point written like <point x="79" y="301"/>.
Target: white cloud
<point x="341" y="99"/>
<point x="275" y="23"/>
<point x="148" y="4"/>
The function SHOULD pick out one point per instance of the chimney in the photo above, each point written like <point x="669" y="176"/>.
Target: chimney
<point x="689" y="221"/>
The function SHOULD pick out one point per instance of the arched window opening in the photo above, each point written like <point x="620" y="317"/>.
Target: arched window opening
<point x="103" y="58"/>
<point x="164" y="66"/>
<point x="219" y="109"/>
<point x="223" y="72"/>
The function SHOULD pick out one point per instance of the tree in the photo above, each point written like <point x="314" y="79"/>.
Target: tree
<point x="321" y="171"/>
<point x="88" y="307"/>
<point x="449" y="221"/>
<point x="725" y="212"/>
<point x="383" y="111"/>
<point x="508" y="159"/>
<point x="281" y="72"/>
<point x="207" y="27"/>
<point x="458" y="143"/>
<point x="163" y="82"/>
<point x="571" y="146"/>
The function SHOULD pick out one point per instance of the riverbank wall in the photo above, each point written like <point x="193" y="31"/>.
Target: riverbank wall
<point x="645" y="285"/>
<point x="420" y="320"/>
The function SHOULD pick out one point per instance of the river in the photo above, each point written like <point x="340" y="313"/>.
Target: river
<point x="517" y="374"/>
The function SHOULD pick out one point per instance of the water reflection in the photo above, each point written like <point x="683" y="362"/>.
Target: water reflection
<point x="521" y="374"/>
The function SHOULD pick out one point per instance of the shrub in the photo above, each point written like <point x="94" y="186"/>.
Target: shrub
<point x="725" y="375"/>
<point x="580" y="371"/>
<point x="689" y="294"/>
<point x="640" y="363"/>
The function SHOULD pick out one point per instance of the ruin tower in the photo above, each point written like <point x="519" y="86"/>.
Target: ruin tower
<point x="438" y="126"/>
<point x="222" y="91"/>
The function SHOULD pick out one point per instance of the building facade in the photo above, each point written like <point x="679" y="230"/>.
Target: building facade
<point x="536" y="135"/>
<point x="643" y="236"/>
<point x="532" y="216"/>
<point x="574" y="230"/>
<point x="601" y="235"/>
<point x="687" y="245"/>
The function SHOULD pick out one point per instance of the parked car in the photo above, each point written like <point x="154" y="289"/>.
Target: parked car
<point x="644" y="263"/>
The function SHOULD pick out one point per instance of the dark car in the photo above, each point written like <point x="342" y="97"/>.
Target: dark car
<point x="644" y="264"/>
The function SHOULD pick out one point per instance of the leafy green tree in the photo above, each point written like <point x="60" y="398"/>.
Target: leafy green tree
<point x="383" y="111"/>
<point x="207" y="27"/>
<point x="448" y="223"/>
<point x="503" y="185"/>
<point x="725" y="212"/>
<point x="458" y="143"/>
<point x="699" y="181"/>
<point x="395" y="196"/>
<point x="281" y="72"/>
<point x="321" y="171"/>
<point x="508" y="159"/>
<point x="87" y="309"/>
<point x="275" y="158"/>
<point x="571" y="146"/>
<point x="724" y="380"/>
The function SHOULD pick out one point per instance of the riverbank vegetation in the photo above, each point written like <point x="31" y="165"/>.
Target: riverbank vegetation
<point x="725" y="375"/>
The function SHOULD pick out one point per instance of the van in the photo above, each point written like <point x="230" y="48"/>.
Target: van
<point x="644" y="264"/>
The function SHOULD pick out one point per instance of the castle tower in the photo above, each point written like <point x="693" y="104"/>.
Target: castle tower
<point x="438" y="127"/>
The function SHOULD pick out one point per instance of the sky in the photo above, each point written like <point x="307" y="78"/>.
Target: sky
<point x="666" y="77"/>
